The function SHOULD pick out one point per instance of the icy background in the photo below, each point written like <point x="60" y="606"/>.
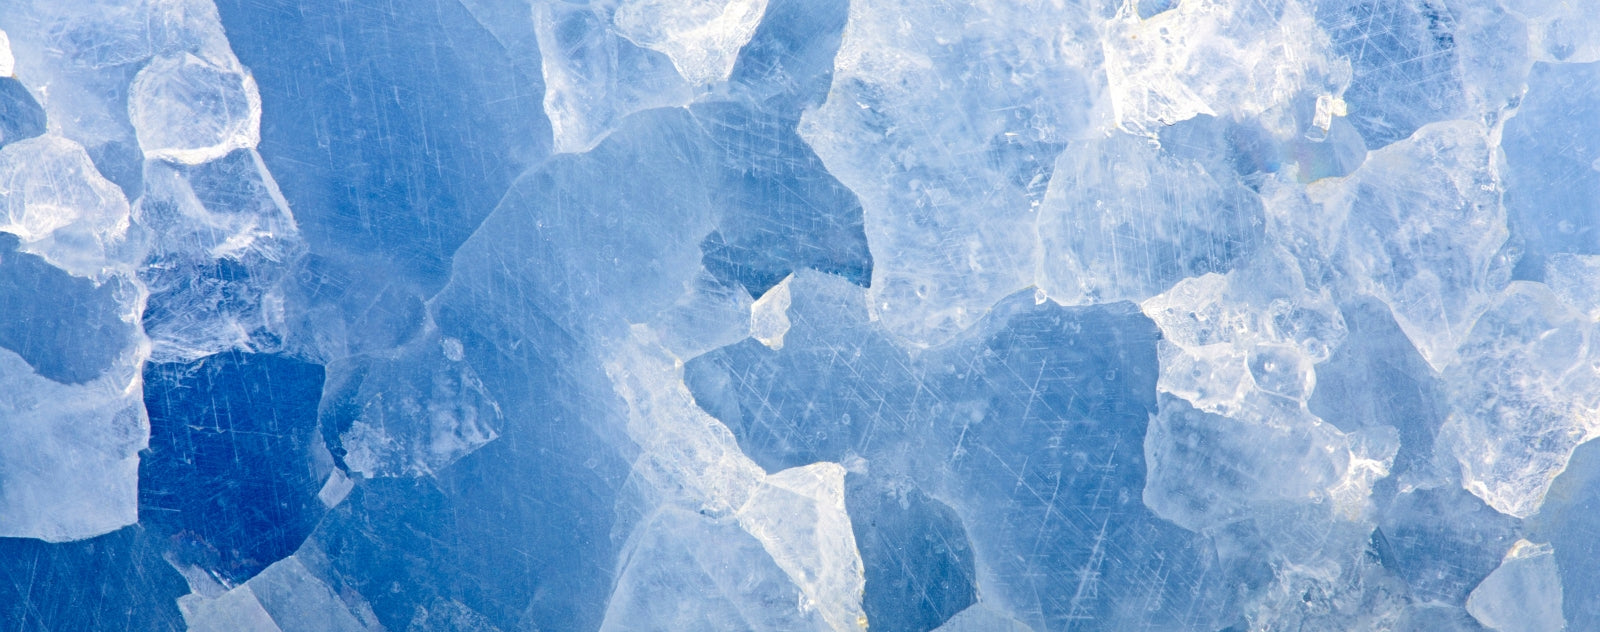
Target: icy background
<point x="970" y="316"/>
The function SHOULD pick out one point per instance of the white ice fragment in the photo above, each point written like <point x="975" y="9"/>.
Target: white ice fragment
<point x="692" y="461"/>
<point x="71" y="452"/>
<point x="190" y="110"/>
<point x="1207" y="470"/>
<point x="286" y="595"/>
<point x="1524" y="394"/>
<point x="1123" y="220"/>
<point x="1575" y="279"/>
<point x="701" y="37"/>
<point x="593" y="77"/>
<point x="1561" y="31"/>
<point x="453" y="351"/>
<point x="979" y="617"/>
<point x="1328" y="107"/>
<point x="237" y="610"/>
<point x="709" y="315"/>
<point x="687" y="454"/>
<point x="1236" y="344"/>
<point x="799" y="517"/>
<point x="416" y="410"/>
<point x="297" y="599"/>
<point x="945" y="119"/>
<point x="1423" y="225"/>
<point x="1217" y="57"/>
<point x="8" y="63"/>
<point x="1523" y="594"/>
<point x="681" y="570"/>
<point x="227" y="210"/>
<point x="56" y="201"/>
<point x="769" y="315"/>
<point x="335" y="489"/>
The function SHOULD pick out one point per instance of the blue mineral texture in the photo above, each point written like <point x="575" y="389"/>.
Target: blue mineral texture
<point x="800" y="315"/>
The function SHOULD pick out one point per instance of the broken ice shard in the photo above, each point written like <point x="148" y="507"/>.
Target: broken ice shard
<point x="231" y="475"/>
<point x="1524" y="394"/>
<point x="191" y="110"/>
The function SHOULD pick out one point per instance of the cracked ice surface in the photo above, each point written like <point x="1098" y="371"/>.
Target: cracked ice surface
<point x="1176" y="315"/>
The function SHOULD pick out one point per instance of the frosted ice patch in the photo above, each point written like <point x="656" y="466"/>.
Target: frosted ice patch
<point x="593" y="77"/>
<point x="8" y="63"/>
<point x="71" y="453"/>
<point x="287" y="595"/>
<point x="1123" y="220"/>
<point x="709" y="315"/>
<point x="416" y="410"/>
<point x="1194" y="458"/>
<point x="1523" y="594"/>
<point x="335" y="489"/>
<point x="1237" y="361"/>
<point x="1423" y="226"/>
<point x="769" y="315"/>
<point x="981" y="618"/>
<point x="1233" y="344"/>
<point x="56" y="201"/>
<point x="702" y="37"/>
<point x="190" y="110"/>
<point x="297" y="599"/>
<point x="681" y="570"/>
<point x="684" y="452"/>
<point x="1575" y="279"/>
<point x="950" y="171"/>
<point x="48" y="183"/>
<point x="1561" y="31"/>
<point x="453" y="351"/>
<point x="96" y="35"/>
<point x="1217" y="57"/>
<point x="449" y="614"/>
<point x="237" y="610"/>
<point x="693" y="461"/>
<point x="226" y="212"/>
<point x="417" y="422"/>
<point x="799" y="517"/>
<point x="1524" y="394"/>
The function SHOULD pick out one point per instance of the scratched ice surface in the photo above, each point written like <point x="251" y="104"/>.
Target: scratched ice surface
<point x="900" y="315"/>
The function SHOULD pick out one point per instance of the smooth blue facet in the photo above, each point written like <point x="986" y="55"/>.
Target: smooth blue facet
<point x="1551" y="146"/>
<point x="917" y="559"/>
<point x="20" y="115"/>
<point x="117" y="581"/>
<point x="230" y="478"/>
<point x="392" y="131"/>
<point x="65" y="327"/>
